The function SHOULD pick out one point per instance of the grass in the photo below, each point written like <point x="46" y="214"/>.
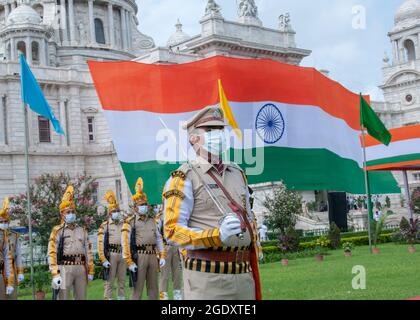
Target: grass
<point x="391" y="275"/>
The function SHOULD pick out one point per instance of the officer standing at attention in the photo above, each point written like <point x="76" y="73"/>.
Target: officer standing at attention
<point x="15" y="250"/>
<point x="222" y="253"/>
<point x="140" y="236"/>
<point x="6" y="266"/>
<point x="172" y="267"/>
<point x="110" y="250"/>
<point x="69" y="253"/>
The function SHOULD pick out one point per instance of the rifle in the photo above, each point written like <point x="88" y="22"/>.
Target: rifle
<point x="105" y="271"/>
<point x="134" y="256"/>
<point x="60" y="254"/>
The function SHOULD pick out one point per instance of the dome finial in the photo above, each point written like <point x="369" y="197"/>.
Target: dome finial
<point x="179" y="35"/>
<point x="407" y="14"/>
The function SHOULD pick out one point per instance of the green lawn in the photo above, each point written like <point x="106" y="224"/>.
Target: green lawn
<point x="393" y="274"/>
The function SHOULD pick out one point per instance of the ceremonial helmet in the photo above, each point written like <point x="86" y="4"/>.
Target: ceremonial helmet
<point x="67" y="202"/>
<point x="113" y="205"/>
<point x="139" y="198"/>
<point x="4" y="212"/>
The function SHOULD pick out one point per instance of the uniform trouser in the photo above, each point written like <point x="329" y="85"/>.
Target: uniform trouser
<point x="13" y="296"/>
<point x="213" y="286"/>
<point x="73" y="278"/>
<point x="117" y="270"/>
<point x="2" y="288"/>
<point x="172" y="266"/>
<point x="147" y="272"/>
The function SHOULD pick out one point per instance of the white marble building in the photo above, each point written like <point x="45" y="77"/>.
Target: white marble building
<point x="58" y="36"/>
<point x="401" y="76"/>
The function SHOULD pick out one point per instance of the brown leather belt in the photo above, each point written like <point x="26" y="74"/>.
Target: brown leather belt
<point x="76" y="259"/>
<point x="115" y="248"/>
<point x="224" y="256"/>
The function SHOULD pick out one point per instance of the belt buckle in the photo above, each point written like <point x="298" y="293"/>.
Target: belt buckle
<point x="242" y="256"/>
<point x="78" y="259"/>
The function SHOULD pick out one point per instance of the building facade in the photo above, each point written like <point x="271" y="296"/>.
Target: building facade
<point x="401" y="76"/>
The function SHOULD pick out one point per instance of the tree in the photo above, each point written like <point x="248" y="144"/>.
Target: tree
<point x="416" y="201"/>
<point x="46" y="194"/>
<point x="334" y="235"/>
<point x="283" y="208"/>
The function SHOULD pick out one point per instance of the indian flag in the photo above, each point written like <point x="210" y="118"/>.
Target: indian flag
<point x="403" y="153"/>
<point x="297" y="125"/>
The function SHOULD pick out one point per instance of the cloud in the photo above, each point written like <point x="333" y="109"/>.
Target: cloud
<point x="354" y="57"/>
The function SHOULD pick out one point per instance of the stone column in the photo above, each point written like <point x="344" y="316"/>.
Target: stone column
<point x="42" y="53"/>
<point x="6" y="11"/>
<point x="71" y="22"/>
<point x="111" y="25"/>
<point x="91" y="22"/>
<point x="63" y="21"/>
<point x="123" y="29"/>
<point x="62" y="113"/>
<point x="28" y="50"/>
<point x="395" y="49"/>
<point x="12" y="49"/>
<point x="128" y="29"/>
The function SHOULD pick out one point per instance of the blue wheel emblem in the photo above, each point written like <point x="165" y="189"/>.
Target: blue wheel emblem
<point x="270" y="124"/>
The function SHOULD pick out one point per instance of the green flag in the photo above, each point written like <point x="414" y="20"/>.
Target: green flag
<point x="373" y="124"/>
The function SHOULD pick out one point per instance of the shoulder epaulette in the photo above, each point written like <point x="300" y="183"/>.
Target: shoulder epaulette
<point x="174" y="193"/>
<point x="179" y="174"/>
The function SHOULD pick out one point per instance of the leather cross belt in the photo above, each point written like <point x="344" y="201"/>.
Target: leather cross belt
<point x="1" y="267"/>
<point x="224" y="256"/>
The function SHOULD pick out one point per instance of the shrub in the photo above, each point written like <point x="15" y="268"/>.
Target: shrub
<point x="348" y="246"/>
<point x="334" y="236"/>
<point x="289" y="242"/>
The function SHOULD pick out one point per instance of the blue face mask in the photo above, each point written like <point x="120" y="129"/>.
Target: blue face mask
<point x="215" y="142"/>
<point x="116" y="216"/>
<point x="70" y="218"/>
<point x="142" y="209"/>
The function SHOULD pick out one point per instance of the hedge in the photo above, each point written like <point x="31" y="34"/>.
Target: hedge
<point x="357" y="241"/>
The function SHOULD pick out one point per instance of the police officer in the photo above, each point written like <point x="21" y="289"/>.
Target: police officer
<point x="172" y="267"/>
<point x="6" y="266"/>
<point x="16" y="254"/>
<point x="222" y="256"/>
<point x="110" y="253"/>
<point x="69" y="253"/>
<point x="147" y="242"/>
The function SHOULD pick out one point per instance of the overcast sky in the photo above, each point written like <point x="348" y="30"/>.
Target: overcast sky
<point x="353" y="56"/>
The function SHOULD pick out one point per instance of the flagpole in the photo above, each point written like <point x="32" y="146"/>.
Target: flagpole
<point x="366" y="185"/>
<point x="28" y="197"/>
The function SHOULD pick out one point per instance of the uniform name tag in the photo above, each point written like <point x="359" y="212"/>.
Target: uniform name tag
<point x="213" y="186"/>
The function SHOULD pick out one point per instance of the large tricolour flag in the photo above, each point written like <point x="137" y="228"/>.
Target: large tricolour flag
<point x="307" y="125"/>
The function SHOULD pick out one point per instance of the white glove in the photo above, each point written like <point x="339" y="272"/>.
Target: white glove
<point x="261" y="255"/>
<point x="90" y="277"/>
<point x="21" y="277"/>
<point x="162" y="263"/>
<point x="106" y="264"/>
<point x="231" y="226"/>
<point x="56" y="282"/>
<point x="9" y="290"/>
<point x="133" y="268"/>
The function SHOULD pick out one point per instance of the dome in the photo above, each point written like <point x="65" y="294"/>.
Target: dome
<point x="179" y="36"/>
<point x="23" y="14"/>
<point x="409" y="11"/>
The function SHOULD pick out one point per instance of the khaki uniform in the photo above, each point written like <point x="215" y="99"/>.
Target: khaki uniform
<point x="118" y="267"/>
<point x="6" y="267"/>
<point x="192" y="223"/>
<point x="149" y="249"/>
<point x="77" y="260"/>
<point x="15" y="252"/>
<point x="172" y="267"/>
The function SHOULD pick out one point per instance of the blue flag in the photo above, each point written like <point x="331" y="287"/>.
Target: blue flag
<point x="33" y="96"/>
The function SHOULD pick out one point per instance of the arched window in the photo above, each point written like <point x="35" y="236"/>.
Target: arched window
<point x="410" y="50"/>
<point x="35" y="52"/>
<point x="99" y="31"/>
<point x="21" y="46"/>
<point x="39" y="9"/>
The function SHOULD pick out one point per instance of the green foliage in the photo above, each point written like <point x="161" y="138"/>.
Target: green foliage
<point x="322" y="244"/>
<point x="46" y="194"/>
<point x="377" y="227"/>
<point x="283" y="208"/>
<point x="289" y="242"/>
<point x="409" y="231"/>
<point x="313" y="206"/>
<point x="415" y="200"/>
<point x="334" y="235"/>
<point x="388" y="202"/>
<point x="348" y="246"/>
<point x="41" y="279"/>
